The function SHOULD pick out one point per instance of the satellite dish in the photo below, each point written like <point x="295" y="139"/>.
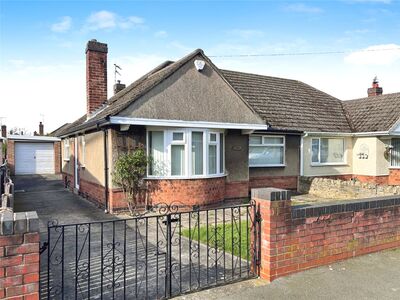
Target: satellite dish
<point x="199" y="64"/>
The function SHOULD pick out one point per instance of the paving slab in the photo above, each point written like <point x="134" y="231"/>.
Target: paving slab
<point x="372" y="276"/>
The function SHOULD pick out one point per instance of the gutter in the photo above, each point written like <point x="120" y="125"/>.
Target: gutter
<point x="302" y="153"/>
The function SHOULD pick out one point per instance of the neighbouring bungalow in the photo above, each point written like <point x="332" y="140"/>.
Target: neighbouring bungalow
<point x="214" y="134"/>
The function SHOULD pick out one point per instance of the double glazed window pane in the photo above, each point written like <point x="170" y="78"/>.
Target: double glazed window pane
<point x="156" y="147"/>
<point x="266" y="155"/>
<point x="315" y="151"/>
<point x="197" y="153"/>
<point x="177" y="159"/>
<point x="212" y="159"/>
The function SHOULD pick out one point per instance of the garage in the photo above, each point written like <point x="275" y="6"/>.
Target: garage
<point x="34" y="158"/>
<point x="29" y="155"/>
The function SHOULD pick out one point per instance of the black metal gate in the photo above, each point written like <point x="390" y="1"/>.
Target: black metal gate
<point x="155" y="256"/>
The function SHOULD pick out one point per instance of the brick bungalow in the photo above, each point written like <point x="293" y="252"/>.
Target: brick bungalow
<point x="213" y="134"/>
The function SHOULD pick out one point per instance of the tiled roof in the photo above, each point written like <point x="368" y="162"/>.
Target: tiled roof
<point x="289" y="104"/>
<point x="284" y="104"/>
<point x="375" y="113"/>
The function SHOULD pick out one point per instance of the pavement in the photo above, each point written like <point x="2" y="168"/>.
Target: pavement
<point x="372" y="276"/>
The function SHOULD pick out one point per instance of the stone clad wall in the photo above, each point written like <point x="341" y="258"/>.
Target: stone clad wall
<point x="342" y="189"/>
<point x="294" y="239"/>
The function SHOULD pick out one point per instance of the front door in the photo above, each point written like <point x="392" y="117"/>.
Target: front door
<point x="76" y="162"/>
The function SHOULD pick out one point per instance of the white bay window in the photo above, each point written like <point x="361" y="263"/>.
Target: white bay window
<point x="185" y="153"/>
<point x="266" y="151"/>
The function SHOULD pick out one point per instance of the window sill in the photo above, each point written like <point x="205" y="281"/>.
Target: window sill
<point x="328" y="164"/>
<point x="267" y="166"/>
<point x="394" y="168"/>
<point x="184" y="177"/>
<point x="66" y="159"/>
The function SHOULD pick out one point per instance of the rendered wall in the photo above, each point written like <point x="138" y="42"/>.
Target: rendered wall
<point x="327" y="170"/>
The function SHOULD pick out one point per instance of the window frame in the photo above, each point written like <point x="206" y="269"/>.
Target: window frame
<point x="319" y="163"/>
<point x="187" y="142"/>
<point x="263" y="136"/>
<point x="391" y="154"/>
<point x="82" y="159"/>
<point x="67" y="144"/>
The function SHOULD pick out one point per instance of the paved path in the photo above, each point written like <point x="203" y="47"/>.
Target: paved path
<point x="373" y="276"/>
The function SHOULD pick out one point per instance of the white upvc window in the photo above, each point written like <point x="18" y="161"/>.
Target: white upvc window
<point x="327" y="151"/>
<point x="395" y="153"/>
<point x="185" y="153"/>
<point x="266" y="151"/>
<point x="67" y="152"/>
<point x="82" y="158"/>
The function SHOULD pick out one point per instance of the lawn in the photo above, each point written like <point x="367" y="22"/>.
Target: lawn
<point x="240" y="247"/>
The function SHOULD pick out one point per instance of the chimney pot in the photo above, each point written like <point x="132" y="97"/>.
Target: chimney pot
<point x="41" y="129"/>
<point x="4" y="131"/>
<point x="375" y="90"/>
<point x="118" y="86"/>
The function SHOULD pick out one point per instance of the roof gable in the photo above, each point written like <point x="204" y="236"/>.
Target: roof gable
<point x="191" y="95"/>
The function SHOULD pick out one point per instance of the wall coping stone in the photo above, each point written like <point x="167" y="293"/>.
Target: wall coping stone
<point x="18" y="223"/>
<point x="316" y="210"/>
<point x="270" y="194"/>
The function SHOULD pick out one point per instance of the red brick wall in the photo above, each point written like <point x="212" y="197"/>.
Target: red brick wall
<point x="92" y="191"/>
<point x="57" y="157"/>
<point x="394" y="177"/>
<point x="11" y="156"/>
<point x="236" y="189"/>
<point x="292" y="242"/>
<point x="19" y="266"/>
<point x="96" y="75"/>
<point x="188" y="191"/>
<point x="282" y="182"/>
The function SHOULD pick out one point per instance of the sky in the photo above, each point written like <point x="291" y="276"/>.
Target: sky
<point x="42" y="46"/>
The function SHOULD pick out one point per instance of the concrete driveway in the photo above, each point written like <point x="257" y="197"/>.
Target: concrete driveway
<point x="46" y="195"/>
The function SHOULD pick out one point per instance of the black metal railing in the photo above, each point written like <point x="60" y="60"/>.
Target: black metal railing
<point x="154" y="256"/>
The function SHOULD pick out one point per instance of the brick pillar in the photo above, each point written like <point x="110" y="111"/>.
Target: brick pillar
<point x="19" y="255"/>
<point x="274" y="208"/>
<point x="57" y="157"/>
<point x="11" y="156"/>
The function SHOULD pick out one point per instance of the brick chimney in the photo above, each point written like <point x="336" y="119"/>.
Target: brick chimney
<point x="4" y="131"/>
<point x="375" y="90"/>
<point x="96" y="75"/>
<point x="41" y="129"/>
<point x="118" y="86"/>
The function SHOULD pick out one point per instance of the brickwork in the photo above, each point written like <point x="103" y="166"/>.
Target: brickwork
<point x="11" y="156"/>
<point x="394" y="177"/>
<point x="93" y="192"/>
<point x="96" y="75"/>
<point x="282" y="182"/>
<point x="57" y="157"/>
<point x="236" y="189"/>
<point x="188" y="191"/>
<point x="296" y="239"/>
<point x="19" y="256"/>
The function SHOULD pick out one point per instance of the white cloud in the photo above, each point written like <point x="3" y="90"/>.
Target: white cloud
<point x="161" y="34"/>
<point x="303" y="8"/>
<point x="108" y="20"/>
<point x="375" y="55"/>
<point x="63" y="26"/>
<point x="246" y="33"/>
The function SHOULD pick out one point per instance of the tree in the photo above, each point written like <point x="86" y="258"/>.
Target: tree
<point x="129" y="172"/>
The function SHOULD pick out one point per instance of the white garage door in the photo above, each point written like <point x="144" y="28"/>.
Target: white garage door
<point x="34" y="158"/>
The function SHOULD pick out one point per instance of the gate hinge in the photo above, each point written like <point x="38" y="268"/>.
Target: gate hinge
<point x="43" y="247"/>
